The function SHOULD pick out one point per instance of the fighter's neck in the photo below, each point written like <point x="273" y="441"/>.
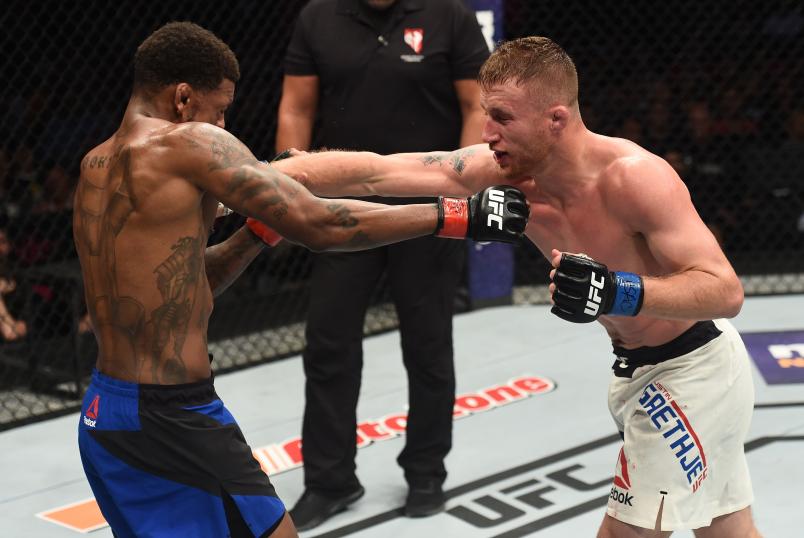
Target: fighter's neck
<point x="569" y="167"/>
<point x="150" y="107"/>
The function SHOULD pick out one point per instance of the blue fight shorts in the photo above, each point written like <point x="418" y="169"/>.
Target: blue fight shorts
<point x="170" y="460"/>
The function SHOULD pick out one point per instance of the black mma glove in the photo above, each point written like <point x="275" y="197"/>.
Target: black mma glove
<point x="585" y="290"/>
<point x="495" y="214"/>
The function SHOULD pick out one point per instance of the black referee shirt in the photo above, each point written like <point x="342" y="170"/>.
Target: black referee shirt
<point x="387" y="80"/>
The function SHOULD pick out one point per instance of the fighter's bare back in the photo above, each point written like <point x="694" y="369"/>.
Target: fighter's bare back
<point x="141" y="233"/>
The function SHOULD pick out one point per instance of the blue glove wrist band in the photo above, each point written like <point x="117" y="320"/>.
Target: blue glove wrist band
<point x="628" y="297"/>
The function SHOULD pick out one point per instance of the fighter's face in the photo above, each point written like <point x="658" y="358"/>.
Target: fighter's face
<point x="515" y="129"/>
<point x="210" y="106"/>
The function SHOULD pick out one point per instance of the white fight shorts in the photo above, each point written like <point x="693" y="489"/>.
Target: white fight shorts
<point x="684" y="409"/>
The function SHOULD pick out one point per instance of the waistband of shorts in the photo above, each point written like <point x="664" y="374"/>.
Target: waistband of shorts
<point x="696" y="336"/>
<point x="181" y="394"/>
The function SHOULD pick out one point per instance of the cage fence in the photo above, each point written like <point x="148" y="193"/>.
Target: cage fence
<point x="715" y="88"/>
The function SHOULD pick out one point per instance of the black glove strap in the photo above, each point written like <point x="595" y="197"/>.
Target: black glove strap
<point x="440" y="222"/>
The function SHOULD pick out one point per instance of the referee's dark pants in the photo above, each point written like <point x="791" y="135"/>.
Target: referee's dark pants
<point x="423" y="275"/>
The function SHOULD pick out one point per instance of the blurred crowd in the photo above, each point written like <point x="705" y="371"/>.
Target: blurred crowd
<point x="35" y="231"/>
<point x="739" y="149"/>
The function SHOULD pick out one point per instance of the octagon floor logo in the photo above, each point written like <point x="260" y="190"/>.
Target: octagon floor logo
<point x="779" y="356"/>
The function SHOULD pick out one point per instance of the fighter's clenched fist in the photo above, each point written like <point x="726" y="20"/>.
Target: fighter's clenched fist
<point x="583" y="289"/>
<point x="498" y="213"/>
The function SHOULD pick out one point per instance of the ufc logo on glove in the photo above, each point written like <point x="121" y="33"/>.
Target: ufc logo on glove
<point x="496" y="204"/>
<point x="585" y="290"/>
<point x="593" y="304"/>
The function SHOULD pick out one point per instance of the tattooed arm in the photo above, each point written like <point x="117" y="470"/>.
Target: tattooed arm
<point x="337" y="173"/>
<point x="225" y="261"/>
<point x="218" y="163"/>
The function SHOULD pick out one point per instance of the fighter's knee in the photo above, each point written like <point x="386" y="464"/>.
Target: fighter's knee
<point x="285" y="529"/>
<point x="613" y="528"/>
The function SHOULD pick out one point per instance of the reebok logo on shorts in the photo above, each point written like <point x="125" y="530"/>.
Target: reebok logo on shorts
<point x="671" y="422"/>
<point x="91" y="415"/>
<point x="622" y="481"/>
<point x="622" y="497"/>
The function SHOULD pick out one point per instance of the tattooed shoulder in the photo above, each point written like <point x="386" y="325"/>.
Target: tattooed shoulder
<point x="221" y="149"/>
<point x="96" y="161"/>
<point x="189" y="140"/>
<point x="227" y="151"/>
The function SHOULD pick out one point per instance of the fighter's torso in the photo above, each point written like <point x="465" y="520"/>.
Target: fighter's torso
<point x="141" y="233"/>
<point x="587" y="223"/>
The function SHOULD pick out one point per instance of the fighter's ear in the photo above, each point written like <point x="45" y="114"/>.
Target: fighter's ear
<point x="559" y="117"/>
<point x="181" y="99"/>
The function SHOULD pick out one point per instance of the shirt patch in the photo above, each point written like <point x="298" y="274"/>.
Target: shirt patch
<point x="414" y="37"/>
